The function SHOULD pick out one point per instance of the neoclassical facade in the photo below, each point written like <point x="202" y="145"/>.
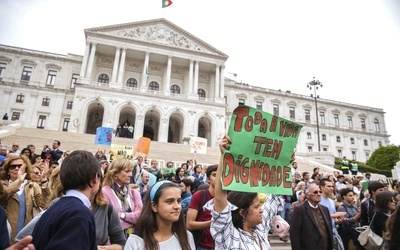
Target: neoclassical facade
<point x="169" y="85"/>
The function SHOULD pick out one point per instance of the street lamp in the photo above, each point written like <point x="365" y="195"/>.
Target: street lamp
<point x="315" y="84"/>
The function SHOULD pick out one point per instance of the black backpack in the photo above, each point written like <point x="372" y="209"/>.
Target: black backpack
<point x="199" y="234"/>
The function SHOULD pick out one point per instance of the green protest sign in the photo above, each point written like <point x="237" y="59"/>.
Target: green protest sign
<point x="258" y="159"/>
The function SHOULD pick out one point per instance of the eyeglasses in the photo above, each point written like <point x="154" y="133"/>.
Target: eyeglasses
<point x="37" y="172"/>
<point x="14" y="166"/>
<point x="15" y="146"/>
<point x="316" y="192"/>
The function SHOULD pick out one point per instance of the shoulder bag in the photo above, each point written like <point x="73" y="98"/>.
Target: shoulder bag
<point x="368" y="239"/>
<point x="36" y="208"/>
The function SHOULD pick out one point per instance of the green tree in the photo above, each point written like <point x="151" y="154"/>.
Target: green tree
<point x="384" y="157"/>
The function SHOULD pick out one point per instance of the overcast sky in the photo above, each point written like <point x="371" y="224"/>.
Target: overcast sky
<point x="351" y="46"/>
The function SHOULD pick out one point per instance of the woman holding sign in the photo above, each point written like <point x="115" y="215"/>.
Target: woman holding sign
<point x="238" y="219"/>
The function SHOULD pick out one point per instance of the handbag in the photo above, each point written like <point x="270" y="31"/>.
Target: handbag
<point x="368" y="239"/>
<point x="280" y="226"/>
<point x="36" y="209"/>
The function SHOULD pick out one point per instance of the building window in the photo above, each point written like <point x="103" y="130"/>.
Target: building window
<point x="308" y="135"/>
<point x="74" y="80"/>
<point x="154" y="86"/>
<point x="51" y="77"/>
<point x="175" y="89"/>
<point x="322" y="117"/>
<point x="20" y="98"/>
<point x="376" y="125"/>
<point x="259" y="105"/>
<point x="379" y="143"/>
<point x="103" y="78"/>
<point x="352" y="140"/>
<point x="69" y="104"/>
<point x="201" y="93"/>
<point x="325" y="149"/>
<point x="15" y="116"/>
<point x="367" y="155"/>
<point x="26" y="73"/>
<point x="353" y="154"/>
<point x="131" y="83"/>
<point x="276" y="109"/>
<point x="339" y="152"/>
<point x="307" y="114"/>
<point x="365" y="142"/>
<point x="363" y="126"/>
<point x="65" y="124"/>
<point x="350" y="121"/>
<point x="242" y="101"/>
<point x="46" y="101"/>
<point x="292" y="112"/>
<point x="337" y="138"/>
<point x="336" y="119"/>
<point x="41" y="121"/>
<point x="309" y="149"/>
<point x="2" y="69"/>
<point x="324" y="137"/>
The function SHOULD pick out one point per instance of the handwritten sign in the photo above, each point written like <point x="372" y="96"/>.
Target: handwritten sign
<point x="258" y="159"/>
<point x="103" y="136"/>
<point x="143" y="146"/>
<point x="120" y="151"/>
<point x="198" y="145"/>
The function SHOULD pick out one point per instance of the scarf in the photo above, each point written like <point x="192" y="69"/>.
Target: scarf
<point x="122" y="194"/>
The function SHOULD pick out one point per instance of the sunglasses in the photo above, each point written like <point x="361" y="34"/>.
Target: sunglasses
<point x="316" y="192"/>
<point x="14" y="166"/>
<point x="37" y="172"/>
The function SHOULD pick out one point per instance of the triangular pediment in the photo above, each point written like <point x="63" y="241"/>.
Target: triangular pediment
<point x="158" y="32"/>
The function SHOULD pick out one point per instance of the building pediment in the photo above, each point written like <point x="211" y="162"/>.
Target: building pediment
<point x="159" y="32"/>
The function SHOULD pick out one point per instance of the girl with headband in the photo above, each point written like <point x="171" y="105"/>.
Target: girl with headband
<point x="161" y="224"/>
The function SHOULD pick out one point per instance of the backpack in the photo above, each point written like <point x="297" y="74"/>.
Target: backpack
<point x="199" y="234"/>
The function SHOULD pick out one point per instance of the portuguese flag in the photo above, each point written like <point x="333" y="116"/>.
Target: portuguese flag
<point x="166" y="3"/>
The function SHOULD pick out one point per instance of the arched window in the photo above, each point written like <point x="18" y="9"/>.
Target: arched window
<point x="175" y="89"/>
<point x="131" y="83"/>
<point x="103" y="78"/>
<point x="201" y="93"/>
<point x="376" y="125"/>
<point x="154" y="86"/>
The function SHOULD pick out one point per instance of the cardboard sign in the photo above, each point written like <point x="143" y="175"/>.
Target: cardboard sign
<point x="258" y="159"/>
<point x="120" y="151"/>
<point x="103" y="136"/>
<point x="143" y="146"/>
<point x="198" y="145"/>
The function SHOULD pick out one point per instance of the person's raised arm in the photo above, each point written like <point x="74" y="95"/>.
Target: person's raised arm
<point x="220" y="196"/>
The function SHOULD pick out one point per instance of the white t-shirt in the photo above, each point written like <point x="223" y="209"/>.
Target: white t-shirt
<point x="134" y="242"/>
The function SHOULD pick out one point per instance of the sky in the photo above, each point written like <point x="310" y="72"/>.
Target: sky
<point x="351" y="46"/>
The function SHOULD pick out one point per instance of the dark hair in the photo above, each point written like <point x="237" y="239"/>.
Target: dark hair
<point x="374" y="185"/>
<point x="196" y="167"/>
<point x="315" y="169"/>
<point x="345" y="191"/>
<point x="147" y="224"/>
<point x="305" y="173"/>
<point x="58" y="142"/>
<point x="78" y="170"/>
<point x="188" y="183"/>
<point x="177" y="171"/>
<point x="210" y="169"/>
<point x="382" y="201"/>
<point x="314" y="175"/>
<point x="33" y="159"/>
<point x="54" y="162"/>
<point x="26" y="149"/>
<point x="242" y="200"/>
<point x="323" y="181"/>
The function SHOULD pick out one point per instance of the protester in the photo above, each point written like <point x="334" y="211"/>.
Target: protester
<point x="368" y="206"/>
<point x="161" y="225"/>
<point x="385" y="205"/>
<point x="393" y="230"/>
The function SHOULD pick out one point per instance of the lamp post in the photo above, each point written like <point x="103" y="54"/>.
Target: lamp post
<point x="315" y="84"/>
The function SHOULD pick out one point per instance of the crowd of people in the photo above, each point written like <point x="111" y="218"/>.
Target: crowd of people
<point x="78" y="199"/>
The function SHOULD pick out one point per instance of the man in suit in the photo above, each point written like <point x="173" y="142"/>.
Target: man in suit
<point x="311" y="227"/>
<point x="56" y="153"/>
<point x="69" y="223"/>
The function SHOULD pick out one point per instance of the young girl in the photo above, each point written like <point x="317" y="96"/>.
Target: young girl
<point x="161" y="225"/>
<point x="238" y="219"/>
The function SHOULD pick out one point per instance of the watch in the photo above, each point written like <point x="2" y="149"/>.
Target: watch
<point x="122" y="216"/>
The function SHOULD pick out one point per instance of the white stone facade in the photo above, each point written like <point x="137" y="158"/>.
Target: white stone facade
<point x="169" y="85"/>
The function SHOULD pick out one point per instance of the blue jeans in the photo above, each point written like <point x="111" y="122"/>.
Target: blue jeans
<point x="285" y="213"/>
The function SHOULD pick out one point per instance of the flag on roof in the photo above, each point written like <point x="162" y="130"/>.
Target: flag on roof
<point x="166" y="3"/>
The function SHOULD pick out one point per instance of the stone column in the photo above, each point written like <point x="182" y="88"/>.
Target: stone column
<point x="216" y="87"/>
<point x="168" y="77"/>
<point x="91" y="61"/>
<point x="222" y="83"/>
<point x="85" y="60"/>
<point x="116" y="63"/>
<point x="121" y="67"/>
<point x="145" y="71"/>
<point x="196" y="78"/>
<point x="190" y="83"/>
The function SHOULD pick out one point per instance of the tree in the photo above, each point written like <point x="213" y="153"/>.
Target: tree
<point x="384" y="157"/>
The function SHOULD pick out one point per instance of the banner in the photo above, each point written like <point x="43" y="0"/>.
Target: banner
<point x="103" y="136"/>
<point x="258" y="159"/>
<point x="120" y="151"/>
<point x="198" y="145"/>
<point x="143" y="146"/>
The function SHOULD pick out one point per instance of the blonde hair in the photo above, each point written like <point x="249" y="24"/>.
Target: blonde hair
<point x="116" y="166"/>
